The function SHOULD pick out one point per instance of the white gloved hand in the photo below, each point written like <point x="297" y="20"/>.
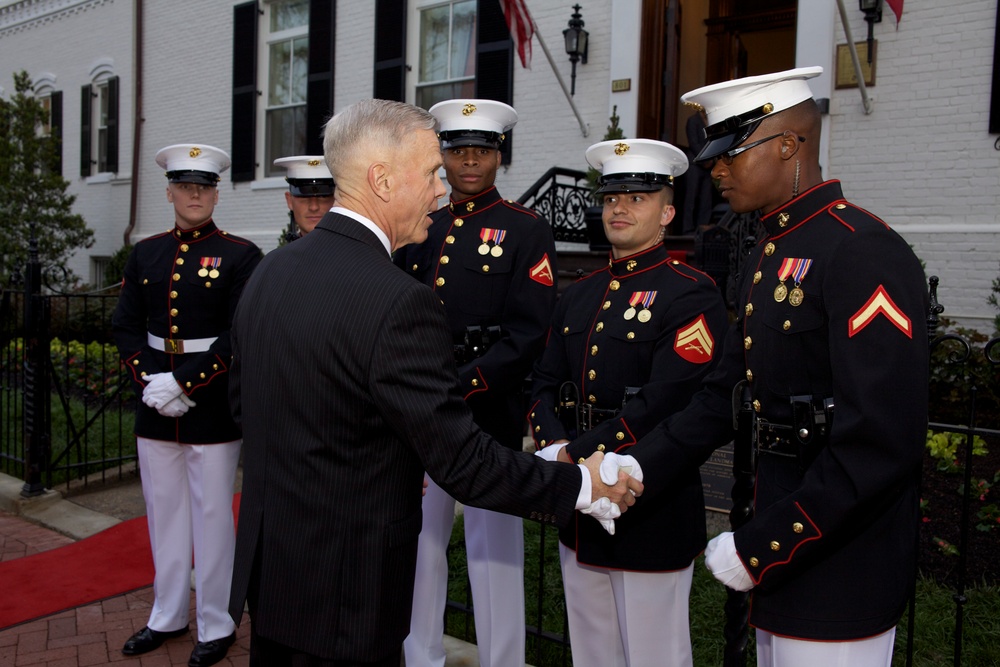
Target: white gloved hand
<point x="603" y="509"/>
<point x="551" y="452"/>
<point x="162" y="389"/>
<point x="725" y="565"/>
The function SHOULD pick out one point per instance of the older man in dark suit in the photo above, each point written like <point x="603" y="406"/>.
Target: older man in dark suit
<point x="337" y="435"/>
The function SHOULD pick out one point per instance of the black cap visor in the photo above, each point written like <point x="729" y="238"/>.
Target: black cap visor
<point x="310" y="188"/>
<point x="458" y="138"/>
<point x="647" y="182"/>
<point x="193" y="176"/>
<point x="727" y="135"/>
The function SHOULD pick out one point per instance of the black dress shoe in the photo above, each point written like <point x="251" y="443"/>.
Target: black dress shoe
<point x="209" y="653"/>
<point x="147" y="639"/>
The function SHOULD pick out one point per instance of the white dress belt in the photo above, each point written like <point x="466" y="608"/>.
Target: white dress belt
<point x="177" y="346"/>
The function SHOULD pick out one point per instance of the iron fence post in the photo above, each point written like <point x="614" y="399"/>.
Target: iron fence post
<point x="37" y="406"/>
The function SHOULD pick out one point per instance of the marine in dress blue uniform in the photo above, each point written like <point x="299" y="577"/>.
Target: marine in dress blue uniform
<point x="310" y="192"/>
<point x="171" y="326"/>
<point x="629" y="344"/>
<point x="831" y="350"/>
<point x="492" y="264"/>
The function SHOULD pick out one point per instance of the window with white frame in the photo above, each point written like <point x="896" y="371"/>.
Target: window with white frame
<point x="447" y="52"/>
<point x="99" y="125"/>
<point x="285" y="47"/>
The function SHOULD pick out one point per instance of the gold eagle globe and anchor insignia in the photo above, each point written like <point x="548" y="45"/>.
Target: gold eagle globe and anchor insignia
<point x="313" y="163"/>
<point x="468" y="109"/>
<point x="621" y="148"/>
<point x="194" y="152"/>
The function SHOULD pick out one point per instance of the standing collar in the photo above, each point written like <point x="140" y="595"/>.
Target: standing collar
<point x="195" y="234"/>
<point x="796" y="211"/>
<point x="476" y="203"/>
<point x="636" y="262"/>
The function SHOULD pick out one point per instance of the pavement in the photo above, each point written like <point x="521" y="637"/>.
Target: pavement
<point x="94" y="634"/>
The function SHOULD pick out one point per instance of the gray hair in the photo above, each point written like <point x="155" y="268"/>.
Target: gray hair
<point x="369" y="128"/>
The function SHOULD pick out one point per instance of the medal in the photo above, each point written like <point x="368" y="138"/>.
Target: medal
<point x="494" y="235"/>
<point x="645" y="315"/>
<point x="496" y="251"/>
<point x="210" y="267"/>
<point x="630" y="313"/>
<point x="213" y="274"/>
<point x="484" y="249"/>
<point x="801" y="267"/>
<point x="202" y="272"/>
<point x="644" y="298"/>
<point x="780" y="292"/>
<point x="795" y="296"/>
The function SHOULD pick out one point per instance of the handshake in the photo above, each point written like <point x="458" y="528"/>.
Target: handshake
<point x="164" y="395"/>
<point x="616" y="482"/>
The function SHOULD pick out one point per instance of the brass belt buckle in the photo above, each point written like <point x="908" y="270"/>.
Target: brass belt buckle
<point x="173" y="346"/>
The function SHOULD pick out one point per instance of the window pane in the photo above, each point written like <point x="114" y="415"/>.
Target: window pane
<point x="290" y="14"/>
<point x="463" y="40"/>
<point x="434" y="26"/>
<point x="286" y="134"/>
<point x="300" y="69"/>
<point x="428" y="96"/>
<point x="279" y="72"/>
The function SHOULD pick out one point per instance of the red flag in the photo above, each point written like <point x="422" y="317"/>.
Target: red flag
<point x="897" y="8"/>
<point x="522" y="27"/>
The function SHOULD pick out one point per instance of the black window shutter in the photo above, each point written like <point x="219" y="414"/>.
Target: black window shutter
<point x="390" y="50"/>
<point x="55" y="125"/>
<point x="111" y="150"/>
<point x="319" y="91"/>
<point x="495" y="61"/>
<point x="86" y="107"/>
<point x="243" y="146"/>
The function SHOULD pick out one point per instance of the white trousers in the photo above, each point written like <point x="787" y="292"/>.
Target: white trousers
<point x="626" y="619"/>
<point x="775" y="651"/>
<point x="189" y="505"/>
<point x="494" y="545"/>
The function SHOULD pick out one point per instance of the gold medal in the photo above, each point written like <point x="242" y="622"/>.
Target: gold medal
<point x="780" y="292"/>
<point x="213" y="274"/>
<point x="202" y="272"/>
<point x="795" y="296"/>
<point x="496" y="251"/>
<point x="484" y="249"/>
<point x="645" y="315"/>
<point x="630" y="313"/>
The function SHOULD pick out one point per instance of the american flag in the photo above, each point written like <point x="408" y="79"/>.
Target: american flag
<point x="897" y="8"/>
<point x="522" y="27"/>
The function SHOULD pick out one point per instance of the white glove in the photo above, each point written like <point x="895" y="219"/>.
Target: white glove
<point x="725" y="565"/>
<point x="176" y="407"/>
<point x="551" y="452"/>
<point x="603" y="509"/>
<point x="162" y="389"/>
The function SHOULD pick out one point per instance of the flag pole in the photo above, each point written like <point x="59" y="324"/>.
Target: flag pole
<point x="584" y="128"/>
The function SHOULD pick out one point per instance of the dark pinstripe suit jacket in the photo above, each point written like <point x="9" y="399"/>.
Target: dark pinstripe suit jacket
<point x="344" y="383"/>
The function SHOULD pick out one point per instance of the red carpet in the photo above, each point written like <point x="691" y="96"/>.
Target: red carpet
<point x="112" y="562"/>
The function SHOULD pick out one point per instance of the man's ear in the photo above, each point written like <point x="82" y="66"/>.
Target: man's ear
<point x="378" y="180"/>
<point x="789" y="145"/>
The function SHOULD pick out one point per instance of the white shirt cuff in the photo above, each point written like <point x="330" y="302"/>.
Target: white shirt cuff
<point x="583" y="500"/>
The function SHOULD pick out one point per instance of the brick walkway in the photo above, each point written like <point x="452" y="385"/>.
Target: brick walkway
<point x="92" y="634"/>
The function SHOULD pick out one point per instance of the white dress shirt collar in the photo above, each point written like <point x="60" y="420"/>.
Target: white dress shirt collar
<point x="367" y="223"/>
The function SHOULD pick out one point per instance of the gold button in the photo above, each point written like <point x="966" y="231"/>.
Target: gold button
<point x="783" y="219"/>
<point x="797" y="527"/>
<point x="173" y="312"/>
<point x="184" y="247"/>
<point x="176" y="276"/>
<point x="542" y="443"/>
<point x="775" y="546"/>
<point x="174" y="329"/>
<point x="208" y="283"/>
<point x="619" y="435"/>
<point x="459" y="222"/>
<point x="179" y="261"/>
<point x="757" y="276"/>
<point x="486" y="268"/>
<point x="415" y="267"/>
<point x="754" y="562"/>
<point x="607" y="304"/>
<point x="767" y="108"/>
<point x="591" y="398"/>
<point x="145" y="281"/>
<point x="135" y="363"/>
<point x="786" y="325"/>
<point x="614" y="285"/>
<point x="201" y="375"/>
<point x="439" y="282"/>
<point x="187" y="384"/>
<point x="173" y="295"/>
<point x="749" y="375"/>
<point x="537" y="429"/>
<point x="600" y="447"/>
<point x="142" y="374"/>
<point x="756" y="405"/>
<point x="532" y="415"/>
<point x="748" y="309"/>
<point x="444" y="259"/>
<point x="600" y="327"/>
<point x="475" y="382"/>
<point x="769" y="249"/>
<point x="630" y="335"/>
<point x="449" y="239"/>
<point x="592" y="374"/>
<point x="747" y="343"/>
<point x="565" y="330"/>
<point x="215" y="367"/>
<point x="581" y="460"/>
<point x="593" y="350"/>
<point x="840" y="207"/>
